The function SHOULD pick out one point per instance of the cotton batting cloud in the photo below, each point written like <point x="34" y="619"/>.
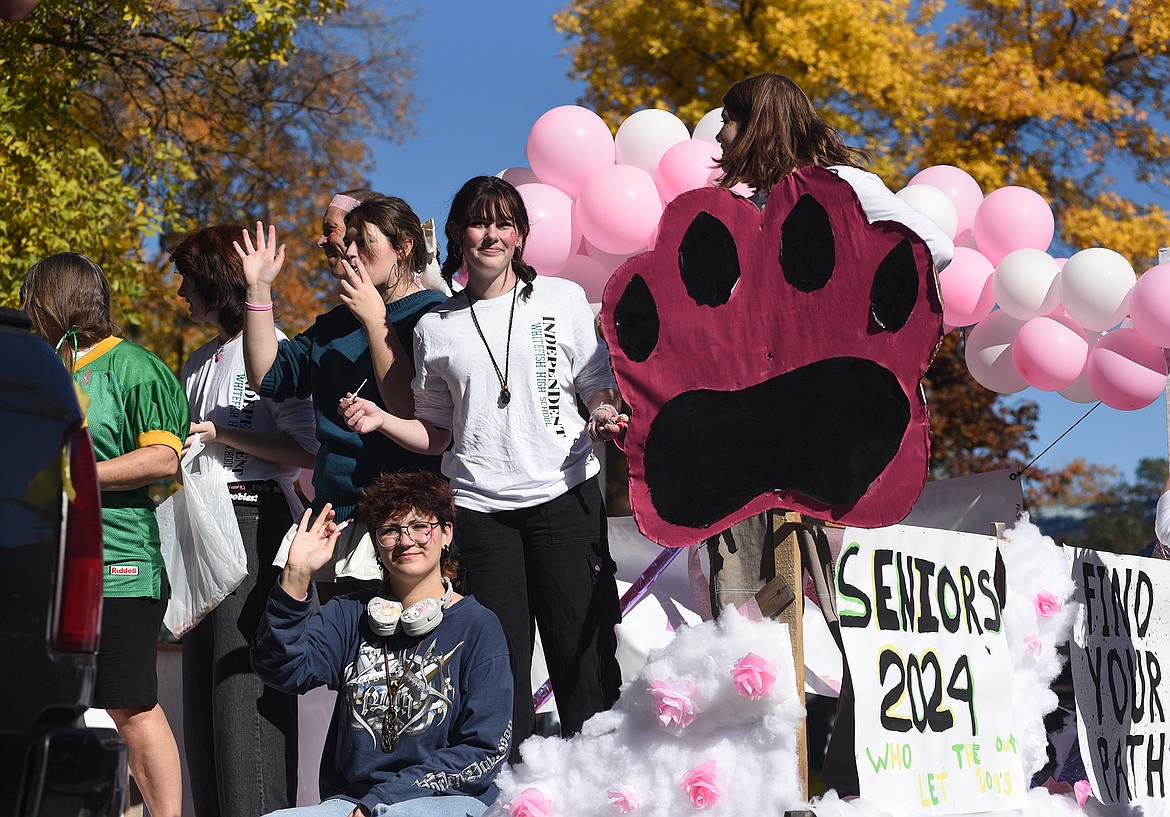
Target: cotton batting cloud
<point x="625" y="759"/>
<point x="751" y="742"/>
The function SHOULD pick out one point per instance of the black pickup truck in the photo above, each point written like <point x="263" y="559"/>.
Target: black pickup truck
<point x="51" y="764"/>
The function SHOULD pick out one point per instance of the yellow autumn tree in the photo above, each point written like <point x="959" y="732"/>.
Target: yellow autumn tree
<point x="1067" y="97"/>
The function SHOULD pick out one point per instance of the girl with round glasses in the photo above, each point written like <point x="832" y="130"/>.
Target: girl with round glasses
<point x="423" y="720"/>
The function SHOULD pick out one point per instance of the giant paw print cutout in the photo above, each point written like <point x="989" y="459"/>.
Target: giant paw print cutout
<point x="772" y="360"/>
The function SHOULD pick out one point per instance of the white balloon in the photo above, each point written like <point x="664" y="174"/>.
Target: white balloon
<point x="989" y="353"/>
<point x="709" y="125"/>
<point x="934" y="204"/>
<point x="1027" y="284"/>
<point x="1095" y="286"/>
<point x="517" y="176"/>
<point x="647" y="134"/>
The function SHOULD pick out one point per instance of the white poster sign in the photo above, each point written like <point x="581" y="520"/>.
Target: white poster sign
<point x="1120" y="641"/>
<point x="922" y="625"/>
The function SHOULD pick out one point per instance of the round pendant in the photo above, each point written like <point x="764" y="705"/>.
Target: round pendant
<point x="505" y="396"/>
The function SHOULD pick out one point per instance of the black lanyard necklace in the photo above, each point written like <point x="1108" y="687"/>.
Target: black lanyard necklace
<point x="505" y="395"/>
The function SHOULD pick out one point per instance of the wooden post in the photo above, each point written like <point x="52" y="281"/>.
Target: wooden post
<point x="783" y="599"/>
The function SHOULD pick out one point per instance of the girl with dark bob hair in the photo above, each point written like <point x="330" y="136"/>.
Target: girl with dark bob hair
<point x="240" y="735"/>
<point x="423" y="718"/>
<point x="500" y="367"/>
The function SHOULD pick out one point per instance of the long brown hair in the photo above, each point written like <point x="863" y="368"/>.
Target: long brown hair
<point x="778" y="131"/>
<point x="208" y="260"/>
<point x="65" y="295"/>
<point x="491" y="199"/>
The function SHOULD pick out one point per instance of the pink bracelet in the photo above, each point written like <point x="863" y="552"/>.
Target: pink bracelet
<point x="258" y="307"/>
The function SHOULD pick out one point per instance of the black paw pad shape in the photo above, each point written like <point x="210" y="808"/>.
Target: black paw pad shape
<point x="772" y="360"/>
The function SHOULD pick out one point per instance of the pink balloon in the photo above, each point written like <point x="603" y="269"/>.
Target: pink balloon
<point x="968" y="293"/>
<point x="611" y="261"/>
<point x="567" y="145"/>
<point x="1050" y="353"/>
<point x="963" y="191"/>
<point x="590" y="273"/>
<point x="619" y="208"/>
<point x="1080" y="391"/>
<point x="552" y="237"/>
<point x="685" y="166"/>
<point x="1013" y="218"/>
<point x="1149" y="305"/>
<point x="989" y="353"/>
<point x="1126" y="371"/>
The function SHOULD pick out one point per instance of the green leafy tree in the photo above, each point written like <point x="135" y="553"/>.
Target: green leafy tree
<point x="125" y="125"/>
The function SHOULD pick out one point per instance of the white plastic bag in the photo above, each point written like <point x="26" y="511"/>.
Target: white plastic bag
<point x="201" y="543"/>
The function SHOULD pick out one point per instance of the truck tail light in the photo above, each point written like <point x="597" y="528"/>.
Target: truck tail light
<point x="79" y="591"/>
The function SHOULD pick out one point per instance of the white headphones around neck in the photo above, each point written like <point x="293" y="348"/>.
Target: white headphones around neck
<point x="386" y="616"/>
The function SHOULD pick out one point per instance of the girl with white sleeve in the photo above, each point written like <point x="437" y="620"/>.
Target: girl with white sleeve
<point x="500" y="367"/>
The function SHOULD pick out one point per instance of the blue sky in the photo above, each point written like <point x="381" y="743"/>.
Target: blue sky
<point x="486" y="72"/>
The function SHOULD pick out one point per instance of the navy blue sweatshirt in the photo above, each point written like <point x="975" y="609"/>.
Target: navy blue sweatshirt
<point x="452" y="696"/>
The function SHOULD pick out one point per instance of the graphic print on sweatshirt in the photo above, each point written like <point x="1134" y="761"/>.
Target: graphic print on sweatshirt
<point x="543" y="334"/>
<point x="421" y="684"/>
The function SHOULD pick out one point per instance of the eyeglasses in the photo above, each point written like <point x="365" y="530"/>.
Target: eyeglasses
<point x="419" y="533"/>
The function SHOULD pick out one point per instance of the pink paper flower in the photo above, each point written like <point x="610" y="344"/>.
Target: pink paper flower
<point x="624" y="799"/>
<point x="753" y="676"/>
<point x="674" y="700"/>
<point x="530" y="803"/>
<point x="1082" y="790"/>
<point x="1034" y="645"/>
<point x="700" y="785"/>
<point x="1047" y="605"/>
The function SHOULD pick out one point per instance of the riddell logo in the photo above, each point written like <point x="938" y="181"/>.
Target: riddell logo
<point x="116" y="570"/>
